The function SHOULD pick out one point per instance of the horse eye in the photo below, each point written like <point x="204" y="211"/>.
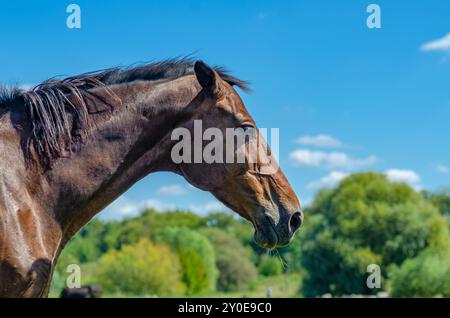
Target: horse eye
<point x="247" y="127"/>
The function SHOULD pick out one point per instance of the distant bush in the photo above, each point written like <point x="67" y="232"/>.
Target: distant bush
<point x="236" y="270"/>
<point x="196" y="256"/>
<point x="270" y="265"/>
<point x="143" y="268"/>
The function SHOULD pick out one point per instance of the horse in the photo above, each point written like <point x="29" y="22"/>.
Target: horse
<point x="69" y="147"/>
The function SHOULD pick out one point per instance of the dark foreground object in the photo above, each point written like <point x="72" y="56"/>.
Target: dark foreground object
<point x="82" y="292"/>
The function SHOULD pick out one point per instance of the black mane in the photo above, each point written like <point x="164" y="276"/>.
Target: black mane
<point x="166" y="69"/>
<point x="161" y="70"/>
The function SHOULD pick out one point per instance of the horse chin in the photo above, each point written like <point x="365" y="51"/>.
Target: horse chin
<point x="266" y="237"/>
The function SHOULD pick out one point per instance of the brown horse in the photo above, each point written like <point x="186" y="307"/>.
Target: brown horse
<point x="70" y="147"/>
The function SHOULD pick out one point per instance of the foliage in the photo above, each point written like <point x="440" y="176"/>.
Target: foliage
<point x="239" y="228"/>
<point x="365" y="220"/>
<point x="196" y="256"/>
<point x="233" y="261"/>
<point x="428" y="274"/>
<point x="142" y="268"/>
<point x="343" y="267"/>
<point x="270" y="265"/>
<point x="440" y="199"/>
<point x="149" y="224"/>
<point x="57" y="284"/>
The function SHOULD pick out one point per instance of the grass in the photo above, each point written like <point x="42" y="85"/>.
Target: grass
<point x="283" y="286"/>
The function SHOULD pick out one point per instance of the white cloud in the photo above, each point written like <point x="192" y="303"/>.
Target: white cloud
<point x="442" y="169"/>
<point x="324" y="141"/>
<point x="157" y="205"/>
<point x="174" y="189"/>
<point x="442" y="44"/>
<point x="395" y="175"/>
<point x="407" y="176"/>
<point x="331" y="160"/>
<point x="211" y="206"/>
<point x="330" y="180"/>
<point x="123" y="207"/>
<point x="306" y="202"/>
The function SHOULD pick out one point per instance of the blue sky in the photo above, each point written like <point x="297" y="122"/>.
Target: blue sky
<point x="345" y="97"/>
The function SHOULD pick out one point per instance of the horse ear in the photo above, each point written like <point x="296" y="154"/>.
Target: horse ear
<point x="206" y="76"/>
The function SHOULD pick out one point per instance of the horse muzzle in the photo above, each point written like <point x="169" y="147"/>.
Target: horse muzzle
<point x="272" y="232"/>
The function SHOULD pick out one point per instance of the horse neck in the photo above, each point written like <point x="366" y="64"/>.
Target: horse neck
<point x="124" y="148"/>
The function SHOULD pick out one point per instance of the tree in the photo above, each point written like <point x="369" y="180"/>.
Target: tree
<point x="142" y="268"/>
<point x="428" y="274"/>
<point x="196" y="256"/>
<point x="236" y="270"/>
<point x="440" y="199"/>
<point x="365" y="220"/>
<point x="149" y="224"/>
<point x="87" y="246"/>
<point x="241" y="229"/>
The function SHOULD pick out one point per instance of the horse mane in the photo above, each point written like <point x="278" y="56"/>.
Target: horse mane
<point x="57" y="120"/>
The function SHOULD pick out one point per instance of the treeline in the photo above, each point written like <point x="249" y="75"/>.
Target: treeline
<point x="365" y="220"/>
<point x="167" y="253"/>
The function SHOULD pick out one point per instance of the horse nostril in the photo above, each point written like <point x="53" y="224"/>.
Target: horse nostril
<point x="295" y="222"/>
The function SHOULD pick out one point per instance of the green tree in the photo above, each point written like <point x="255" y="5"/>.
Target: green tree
<point x="428" y="274"/>
<point x="149" y="224"/>
<point x="440" y="199"/>
<point x="241" y="229"/>
<point x="236" y="270"/>
<point x="142" y="268"/>
<point x="87" y="245"/>
<point x="196" y="256"/>
<point x="365" y="220"/>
